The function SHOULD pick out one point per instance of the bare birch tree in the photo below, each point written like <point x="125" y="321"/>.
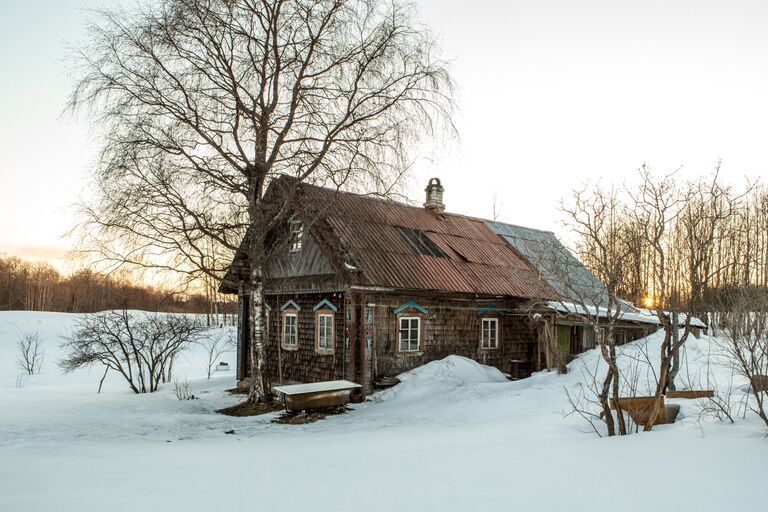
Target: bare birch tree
<point x="215" y="344"/>
<point x="204" y="102"/>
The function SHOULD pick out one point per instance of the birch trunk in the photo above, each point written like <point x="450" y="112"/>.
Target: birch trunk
<point x="259" y="391"/>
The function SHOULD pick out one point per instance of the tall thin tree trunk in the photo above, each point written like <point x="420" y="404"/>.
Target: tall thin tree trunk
<point x="676" y="355"/>
<point x="613" y="368"/>
<point x="259" y="391"/>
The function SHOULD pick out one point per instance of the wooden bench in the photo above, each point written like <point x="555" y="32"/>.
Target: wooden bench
<point x="316" y="395"/>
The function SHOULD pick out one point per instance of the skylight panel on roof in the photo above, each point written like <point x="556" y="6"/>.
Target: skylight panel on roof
<point x="419" y="242"/>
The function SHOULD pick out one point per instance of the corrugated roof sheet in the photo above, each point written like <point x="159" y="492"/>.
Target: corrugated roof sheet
<point x="561" y="269"/>
<point x="365" y="230"/>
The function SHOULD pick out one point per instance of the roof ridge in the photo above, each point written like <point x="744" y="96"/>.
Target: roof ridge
<point x="389" y="201"/>
<point x="521" y="227"/>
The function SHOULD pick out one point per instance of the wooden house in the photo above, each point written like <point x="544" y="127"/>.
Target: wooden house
<point x="365" y="289"/>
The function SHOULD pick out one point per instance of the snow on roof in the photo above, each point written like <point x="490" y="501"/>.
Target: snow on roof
<point x="645" y="316"/>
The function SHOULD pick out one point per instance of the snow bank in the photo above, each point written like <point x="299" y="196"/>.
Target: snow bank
<point x="452" y="376"/>
<point x="453" y="370"/>
<point x="703" y="364"/>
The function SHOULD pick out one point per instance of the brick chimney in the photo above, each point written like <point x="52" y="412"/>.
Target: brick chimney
<point x="434" y="196"/>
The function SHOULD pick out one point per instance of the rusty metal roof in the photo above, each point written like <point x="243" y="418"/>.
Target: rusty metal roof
<point x="364" y="232"/>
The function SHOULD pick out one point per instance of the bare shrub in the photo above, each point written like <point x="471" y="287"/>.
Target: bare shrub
<point x="746" y="333"/>
<point x="215" y="346"/>
<point x="139" y="346"/>
<point x="720" y="406"/>
<point x="605" y="380"/>
<point x="31" y="352"/>
<point x="182" y="389"/>
<point x="589" y="400"/>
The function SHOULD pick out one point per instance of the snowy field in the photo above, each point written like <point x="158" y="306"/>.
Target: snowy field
<point x="453" y="436"/>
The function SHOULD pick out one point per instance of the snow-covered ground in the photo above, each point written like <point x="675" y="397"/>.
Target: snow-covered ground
<point x="453" y="436"/>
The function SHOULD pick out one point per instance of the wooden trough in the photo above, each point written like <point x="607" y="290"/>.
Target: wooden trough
<point x="640" y="409"/>
<point x="316" y="395"/>
<point x="759" y="383"/>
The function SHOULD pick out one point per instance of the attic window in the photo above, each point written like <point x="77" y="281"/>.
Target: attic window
<point x="297" y="235"/>
<point x="420" y="243"/>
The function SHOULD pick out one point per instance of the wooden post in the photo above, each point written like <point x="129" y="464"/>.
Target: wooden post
<point x="352" y="334"/>
<point x="362" y="342"/>
<point x="279" y="339"/>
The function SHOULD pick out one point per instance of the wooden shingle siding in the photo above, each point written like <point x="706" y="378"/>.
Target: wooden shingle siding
<point x="450" y="327"/>
<point x="305" y="364"/>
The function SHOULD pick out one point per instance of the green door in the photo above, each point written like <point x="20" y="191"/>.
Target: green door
<point x="564" y="339"/>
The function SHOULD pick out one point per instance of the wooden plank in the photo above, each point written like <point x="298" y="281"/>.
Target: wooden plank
<point x="704" y="393"/>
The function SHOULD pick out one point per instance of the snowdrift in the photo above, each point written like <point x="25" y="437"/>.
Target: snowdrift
<point x="454" y="435"/>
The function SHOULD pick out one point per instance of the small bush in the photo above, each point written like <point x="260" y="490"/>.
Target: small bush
<point x="182" y="389"/>
<point x="31" y="352"/>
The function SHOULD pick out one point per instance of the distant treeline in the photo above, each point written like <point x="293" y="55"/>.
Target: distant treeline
<point x="700" y="244"/>
<point x="38" y="286"/>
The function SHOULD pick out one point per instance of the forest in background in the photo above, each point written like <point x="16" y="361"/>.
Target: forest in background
<point x="694" y="244"/>
<point x="37" y="286"/>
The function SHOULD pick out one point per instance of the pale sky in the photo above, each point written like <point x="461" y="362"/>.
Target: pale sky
<point x="551" y="94"/>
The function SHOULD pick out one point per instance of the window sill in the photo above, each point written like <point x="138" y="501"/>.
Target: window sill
<point x="410" y="353"/>
<point x="291" y="348"/>
<point x="324" y="351"/>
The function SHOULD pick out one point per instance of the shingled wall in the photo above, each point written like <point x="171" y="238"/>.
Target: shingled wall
<point x="451" y="327"/>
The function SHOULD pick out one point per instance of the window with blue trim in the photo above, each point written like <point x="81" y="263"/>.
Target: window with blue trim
<point x="290" y="330"/>
<point x="489" y="337"/>
<point x="409" y="333"/>
<point x="325" y="331"/>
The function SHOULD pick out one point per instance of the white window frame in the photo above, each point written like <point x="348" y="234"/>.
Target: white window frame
<point x="296" y="235"/>
<point x="295" y="333"/>
<point x="410" y="330"/>
<point x="488" y="343"/>
<point x="325" y="332"/>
